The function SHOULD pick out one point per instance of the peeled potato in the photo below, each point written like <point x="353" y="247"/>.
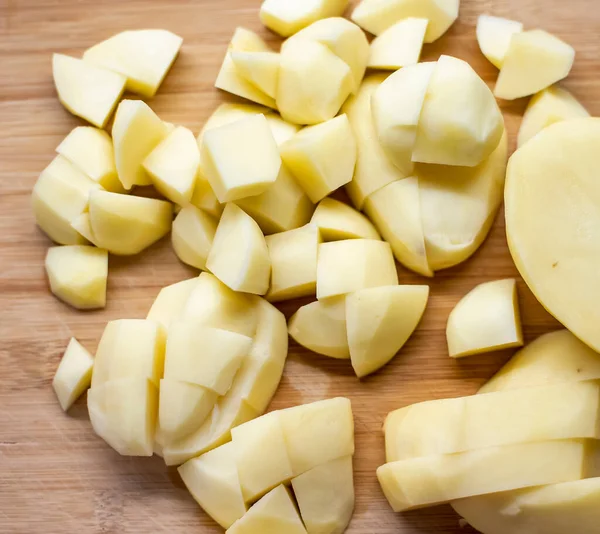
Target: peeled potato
<point x="192" y="236"/>
<point x="74" y="374"/>
<point x="170" y="301"/>
<point x="259" y="68"/>
<point x="398" y="46"/>
<point x="337" y="221"/>
<point x="494" y="35"/>
<point x="286" y="18"/>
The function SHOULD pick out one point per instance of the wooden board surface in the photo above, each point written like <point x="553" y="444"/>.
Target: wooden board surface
<point x="55" y="474"/>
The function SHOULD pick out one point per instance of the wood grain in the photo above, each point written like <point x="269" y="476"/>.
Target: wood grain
<point x="55" y="474"/>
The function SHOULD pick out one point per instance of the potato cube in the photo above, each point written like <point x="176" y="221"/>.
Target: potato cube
<point x="337" y="221"/>
<point x="494" y="35"/>
<point x="288" y="17"/>
<point x="82" y="224"/>
<point x="73" y="375"/>
<point x="398" y="46"/>
<point x="170" y="302"/>
<point x="192" y="236"/>
<point x="259" y="68"/>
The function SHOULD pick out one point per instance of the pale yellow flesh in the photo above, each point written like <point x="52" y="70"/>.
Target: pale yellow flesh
<point x="73" y="375"/>
<point x="494" y="35"/>
<point x="337" y="221"/>
<point x="288" y="18"/>
<point x="398" y="46"/>
<point x="259" y="68"/>
<point x="485" y="319"/>
<point x="192" y="236"/>
<point x="83" y="226"/>
<point x="170" y="301"/>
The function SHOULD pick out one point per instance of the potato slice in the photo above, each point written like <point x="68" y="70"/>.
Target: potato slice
<point x="373" y="168"/>
<point x="192" y="236"/>
<point x="345" y="39"/>
<point x="275" y="512"/>
<point x="82" y="224"/>
<point x="347" y="266"/>
<point x="287" y="18"/>
<point x="398" y="46"/>
<point x="376" y="16"/>
<point x="552" y="225"/>
<point x="396" y="211"/>
<point x="73" y="375"/>
<point x="313" y="82"/>
<point x="213" y="481"/>
<point x="170" y="302"/>
<point x="458" y="206"/>
<point x="259" y="68"/>
<point x="321" y="157"/>
<point x="325" y="496"/>
<point x="546" y="108"/>
<point x="239" y="256"/>
<point x="337" y="221"/>
<point x="137" y="131"/>
<point x="535" y="60"/>
<point x="321" y="327"/>
<point x="143" y="56"/>
<point x="494" y="35"/>
<point x="91" y="151"/>
<point x="88" y="91"/>
<point x="123" y="413"/>
<point x="485" y="319"/>
<point x="126" y="225"/>
<point x="173" y="166"/>
<point x="293" y="257"/>
<point x="460" y="122"/>
<point x="379" y="321"/>
<point x="78" y="275"/>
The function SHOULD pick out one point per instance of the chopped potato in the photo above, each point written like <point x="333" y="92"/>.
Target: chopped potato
<point x="399" y="45"/>
<point x="494" y="35"/>
<point x="73" y="375"/>
<point x="337" y="221"/>
<point x="259" y="68"/>
<point x="286" y="17"/>
<point x="170" y="301"/>
<point x="192" y="236"/>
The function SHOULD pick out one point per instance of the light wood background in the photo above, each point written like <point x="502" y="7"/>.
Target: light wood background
<point x="55" y="474"/>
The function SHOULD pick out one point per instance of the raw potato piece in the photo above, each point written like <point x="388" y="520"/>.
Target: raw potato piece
<point x="313" y="82"/>
<point x="136" y="132"/>
<point x="337" y="221"/>
<point x="78" y="275"/>
<point x="373" y="168"/>
<point x="287" y="17"/>
<point x="59" y="196"/>
<point x="256" y="163"/>
<point x="376" y="16"/>
<point x="398" y="46"/>
<point x="379" y="321"/>
<point x="432" y="480"/>
<point x="460" y="123"/>
<point x="354" y="264"/>
<point x="239" y="256"/>
<point x="87" y="91"/>
<point x="82" y="225"/>
<point x="552" y="224"/>
<point x="486" y="319"/>
<point x="550" y="106"/>
<point x="396" y="212"/>
<point x="91" y="151"/>
<point x="321" y="157"/>
<point x="143" y="56"/>
<point x="192" y="236"/>
<point x="170" y="302"/>
<point x="74" y="374"/>
<point x="494" y="35"/>
<point x="173" y="166"/>
<point x="212" y="479"/>
<point x="321" y="327"/>
<point x="325" y="496"/>
<point x="535" y="60"/>
<point x="275" y="513"/>
<point x="126" y="225"/>
<point x="259" y="68"/>
<point x="293" y="257"/>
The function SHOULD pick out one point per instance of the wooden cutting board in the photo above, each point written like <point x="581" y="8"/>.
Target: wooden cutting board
<point x="55" y="474"/>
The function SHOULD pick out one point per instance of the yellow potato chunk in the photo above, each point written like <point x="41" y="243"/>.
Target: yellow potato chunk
<point x="91" y="151"/>
<point x="376" y="16"/>
<point x="313" y="82"/>
<point x="136" y="132"/>
<point x="259" y="68"/>
<point x="126" y="225"/>
<point x="354" y="264"/>
<point x="399" y="45"/>
<point x="321" y="327"/>
<point x="192" y="236"/>
<point x="552" y="224"/>
<point x="293" y="257"/>
<point x="239" y="256"/>
<point x="325" y="496"/>
<point x="287" y="17"/>
<point x="213" y="481"/>
<point x="395" y="209"/>
<point x="88" y="91"/>
<point x="59" y="196"/>
<point x="143" y="56"/>
<point x="379" y="321"/>
<point x="173" y="166"/>
<point x="78" y="275"/>
<point x="535" y="60"/>
<point x="337" y="221"/>
<point x="73" y="375"/>
<point x="170" y="301"/>
<point x="494" y="35"/>
<point x="548" y="107"/>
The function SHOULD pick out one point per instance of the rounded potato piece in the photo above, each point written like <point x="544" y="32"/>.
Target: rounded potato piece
<point x="192" y="236"/>
<point x="170" y="301"/>
<point x="259" y="68"/>
<point x="494" y="35"/>
<point x="337" y="221"/>
<point x="552" y="224"/>
<point x="288" y="17"/>
<point x="398" y="46"/>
